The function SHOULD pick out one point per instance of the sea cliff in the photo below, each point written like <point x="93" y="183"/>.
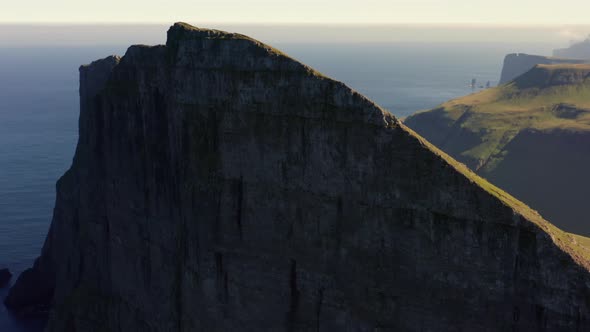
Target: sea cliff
<point x="219" y="185"/>
<point x="516" y="64"/>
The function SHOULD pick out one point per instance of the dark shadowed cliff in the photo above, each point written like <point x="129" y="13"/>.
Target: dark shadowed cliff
<point x="219" y="185"/>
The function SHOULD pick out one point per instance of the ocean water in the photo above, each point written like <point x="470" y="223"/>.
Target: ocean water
<point x="39" y="114"/>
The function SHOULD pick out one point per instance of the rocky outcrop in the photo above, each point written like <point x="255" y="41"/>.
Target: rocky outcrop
<point x="32" y="292"/>
<point x="579" y="50"/>
<point x="5" y="276"/>
<point x="219" y="185"/>
<point x="516" y="64"/>
<point x="553" y="76"/>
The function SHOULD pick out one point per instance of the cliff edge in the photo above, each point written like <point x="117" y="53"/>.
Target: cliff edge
<point x="516" y="64"/>
<point x="219" y="185"/>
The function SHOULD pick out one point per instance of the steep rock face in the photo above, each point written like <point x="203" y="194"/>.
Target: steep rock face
<point x="553" y="76"/>
<point x="219" y="185"/>
<point x="516" y="64"/>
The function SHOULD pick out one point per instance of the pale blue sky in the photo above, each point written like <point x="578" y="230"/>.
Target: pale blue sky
<point x="513" y="12"/>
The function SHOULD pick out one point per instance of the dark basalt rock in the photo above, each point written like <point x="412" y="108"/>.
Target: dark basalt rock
<point x="5" y="276"/>
<point x="219" y="185"/>
<point x="32" y="292"/>
<point x="568" y="111"/>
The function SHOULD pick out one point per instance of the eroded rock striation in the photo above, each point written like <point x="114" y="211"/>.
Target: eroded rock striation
<point x="219" y="185"/>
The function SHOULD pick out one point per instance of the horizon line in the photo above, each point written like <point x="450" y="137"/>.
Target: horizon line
<point x="334" y="24"/>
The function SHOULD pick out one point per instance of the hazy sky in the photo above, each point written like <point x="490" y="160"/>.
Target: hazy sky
<point x="298" y="11"/>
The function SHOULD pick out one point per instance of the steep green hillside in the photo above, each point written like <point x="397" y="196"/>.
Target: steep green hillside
<point x="530" y="136"/>
<point x="480" y="125"/>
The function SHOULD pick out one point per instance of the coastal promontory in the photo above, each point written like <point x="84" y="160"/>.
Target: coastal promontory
<point x="220" y="185"/>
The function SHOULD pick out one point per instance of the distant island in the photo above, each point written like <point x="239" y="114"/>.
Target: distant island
<point x="580" y="50"/>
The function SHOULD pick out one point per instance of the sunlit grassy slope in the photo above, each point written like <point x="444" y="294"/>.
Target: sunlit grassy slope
<point x="545" y="98"/>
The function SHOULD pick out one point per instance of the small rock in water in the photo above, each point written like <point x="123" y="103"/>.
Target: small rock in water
<point x="5" y="276"/>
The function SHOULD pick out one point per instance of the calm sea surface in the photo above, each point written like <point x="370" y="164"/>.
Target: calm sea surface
<point x="39" y="114"/>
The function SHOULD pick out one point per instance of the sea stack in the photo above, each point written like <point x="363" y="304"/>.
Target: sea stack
<point x="220" y="185"/>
